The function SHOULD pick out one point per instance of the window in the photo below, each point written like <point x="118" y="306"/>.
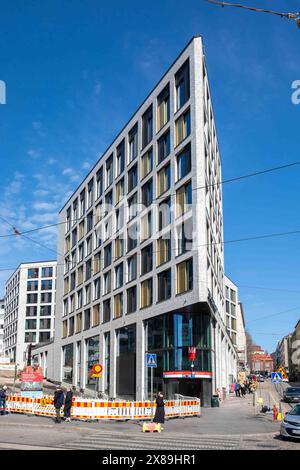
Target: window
<point x="119" y="247"/>
<point x="109" y="171"/>
<point x="67" y="245"/>
<point x="182" y="85"/>
<point x="146" y="226"/>
<point x="183" y="127"/>
<point x="88" y="270"/>
<point x="46" y="284"/>
<point x="45" y="323"/>
<point x="184" y="276"/>
<point x="163" y="180"/>
<point x="131" y="300"/>
<point x="119" y="190"/>
<point x="183" y="160"/>
<point x="32" y="298"/>
<point x="90" y="195"/>
<point x="97" y="289"/>
<point x="89" y="245"/>
<point x="75" y="212"/>
<point x="120" y="157"/>
<point x="44" y="336"/>
<point x="147" y="127"/>
<point x="82" y="203"/>
<point x="120" y="218"/>
<point x="33" y="273"/>
<point x="45" y="310"/>
<point x="47" y="272"/>
<point x="81" y="230"/>
<point x="147" y="193"/>
<point x="132" y="178"/>
<point x="106" y="311"/>
<point x="163" y="250"/>
<point x="133" y="143"/>
<point x="31" y="311"/>
<point x="132" y="207"/>
<point x="97" y="263"/>
<point x="146" y="163"/>
<point x="119" y="276"/>
<point x="164" y="214"/>
<point x="78" y="323"/>
<point x="108" y="229"/>
<point x="108" y="202"/>
<point x="73" y="281"/>
<point x="163" y="147"/>
<point x="99" y="182"/>
<point x="30" y="324"/>
<point x="68" y="219"/>
<point x="46" y="298"/>
<point x="89" y="222"/>
<point x="132" y="237"/>
<point x="132" y="268"/>
<point x="164" y="285"/>
<point x="163" y="107"/>
<point x="107" y="282"/>
<point x="79" y="276"/>
<point x="30" y="337"/>
<point x="74" y="237"/>
<point x="118" y="305"/>
<point x="185" y="237"/>
<point x="146" y="293"/>
<point x="79" y="299"/>
<point x="87" y="319"/>
<point x="146" y="259"/>
<point x="32" y="285"/>
<point x="183" y="199"/>
<point x="107" y="255"/>
<point x="96" y="315"/>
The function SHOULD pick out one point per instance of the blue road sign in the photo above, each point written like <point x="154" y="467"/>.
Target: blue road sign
<point x="277" y="377"/>
<point x="151" y="360"/>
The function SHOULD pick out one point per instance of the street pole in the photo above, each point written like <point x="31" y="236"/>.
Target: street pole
<point x="15" y="378"/>
<point x="151" y="383"/>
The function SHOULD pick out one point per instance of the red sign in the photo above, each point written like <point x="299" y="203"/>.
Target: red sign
<point x="31" y="374"/>
<point x="192" y="354"/>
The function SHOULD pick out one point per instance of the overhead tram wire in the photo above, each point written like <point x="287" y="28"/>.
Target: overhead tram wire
<point x="290" y="16"/>
<point x="165" y="196"/>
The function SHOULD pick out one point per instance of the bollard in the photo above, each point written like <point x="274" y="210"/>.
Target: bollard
<point x="274" y="412"/>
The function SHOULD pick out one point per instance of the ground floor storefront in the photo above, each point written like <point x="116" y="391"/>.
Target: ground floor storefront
<point x="122" y="352"/>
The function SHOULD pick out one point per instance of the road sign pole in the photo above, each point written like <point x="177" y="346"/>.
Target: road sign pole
<point x="151" y="383"/>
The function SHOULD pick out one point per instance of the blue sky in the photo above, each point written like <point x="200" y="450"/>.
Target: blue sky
<point x="76" y="71"/>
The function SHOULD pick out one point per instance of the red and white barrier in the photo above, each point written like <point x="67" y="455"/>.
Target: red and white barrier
<point x="89" y="409"/>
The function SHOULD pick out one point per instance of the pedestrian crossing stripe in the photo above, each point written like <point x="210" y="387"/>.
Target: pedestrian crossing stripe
<point x="151" y="360"/>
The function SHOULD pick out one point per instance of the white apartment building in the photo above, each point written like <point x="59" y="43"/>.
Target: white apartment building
<point x="29" y="308"/>
<point x="231" y="308"/>
<point x="143" y="270"/>
<point x="1" y="325"/>
<point x="241" y="339"/>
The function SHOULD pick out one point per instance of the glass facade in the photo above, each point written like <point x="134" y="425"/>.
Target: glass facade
<point x="170" y="336"/>
<point x="92" y="357"/>
<point x="67" y="372"/>
<point x="126" y="362"/>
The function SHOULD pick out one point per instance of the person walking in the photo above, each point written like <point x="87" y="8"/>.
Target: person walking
<point x="58" y="403"/>
<point x="243" y="390"/>
<point x="3" y="400"/>
<point x="237" y="389"/>
<point x="68" y="405"/>
<point x="159" y="416"/>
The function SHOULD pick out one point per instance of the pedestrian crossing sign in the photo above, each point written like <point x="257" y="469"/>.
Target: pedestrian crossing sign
<point x="276" y="377"/>
<point x="151" y="360"/>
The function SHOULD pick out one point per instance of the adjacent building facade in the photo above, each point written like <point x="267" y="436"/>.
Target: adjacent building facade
<point x="241" y="339"/>
<point x="29" y="308"/>
<point x="295" y="353"/>
<point x="282" y="352"/>
<point x="1" y="326"/>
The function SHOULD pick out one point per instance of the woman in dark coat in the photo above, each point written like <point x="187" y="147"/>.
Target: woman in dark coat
<point x="68" y="405"/>
<point x="160" y="409"/>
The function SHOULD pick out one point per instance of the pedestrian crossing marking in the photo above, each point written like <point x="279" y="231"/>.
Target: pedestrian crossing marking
<point x="151" y="360"/>
<point x="276" y="377"/>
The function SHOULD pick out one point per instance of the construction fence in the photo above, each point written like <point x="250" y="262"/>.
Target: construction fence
<point x="92" y="409"/>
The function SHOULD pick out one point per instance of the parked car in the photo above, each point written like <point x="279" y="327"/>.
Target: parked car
<point x="290" y="426"/>
<point x="260" y="378"/>
<point x="292" y="395"/>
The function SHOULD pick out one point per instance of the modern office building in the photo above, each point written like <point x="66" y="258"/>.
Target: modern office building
<point x="143" y="265"/>
<point x="29" y="308"/>
<point x="1" y="325"/>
